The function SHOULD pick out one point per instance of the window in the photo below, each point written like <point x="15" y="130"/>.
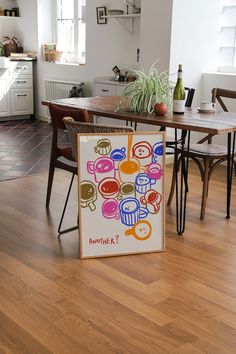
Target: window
<point x="228" y="37"/>
<point x="70" y="29"/>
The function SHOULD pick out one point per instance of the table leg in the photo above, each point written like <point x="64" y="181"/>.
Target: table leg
<point x="181" y="191"/>
<point x="230" y="165"/>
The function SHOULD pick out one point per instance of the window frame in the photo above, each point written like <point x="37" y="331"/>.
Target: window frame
<point x="80" y="60"/>
<point x="232" y="68"/>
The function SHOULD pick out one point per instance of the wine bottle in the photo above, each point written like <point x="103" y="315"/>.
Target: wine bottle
<point x="179" y="94"/>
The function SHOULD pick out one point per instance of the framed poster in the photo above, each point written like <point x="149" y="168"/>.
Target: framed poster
<point x="47" y="47"/>
<point x="121" y="193"/>
<point x="101" y="12"/>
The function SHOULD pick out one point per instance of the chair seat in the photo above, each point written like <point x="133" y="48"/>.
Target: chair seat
<point x="67" y="162"/>
<point x="209" y="149"/>
<point x="66" y="152"/>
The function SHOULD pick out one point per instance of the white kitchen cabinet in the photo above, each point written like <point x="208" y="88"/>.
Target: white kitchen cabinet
<point x="4" y="93"/>
<point x="107" y="86"/>
<point x="21" y="102"/>
<point x="105" y="90"/>
<point x="21" y="67"/>
<point x="21" y="81"/>
<point x="119" y="89"/>
<point x="16" y="90"/>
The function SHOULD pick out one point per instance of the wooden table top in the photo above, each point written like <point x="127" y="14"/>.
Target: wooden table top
<point x="210" y="123"/>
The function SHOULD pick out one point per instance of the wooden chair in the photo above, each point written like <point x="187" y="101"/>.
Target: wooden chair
<point x="206" y="156"/>
<point x="57" y="114"/>
<point x="73" y="128"/>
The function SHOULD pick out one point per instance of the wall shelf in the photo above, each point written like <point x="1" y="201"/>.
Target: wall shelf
<point x="9" y="17"/>
<point x="131" y="17"/>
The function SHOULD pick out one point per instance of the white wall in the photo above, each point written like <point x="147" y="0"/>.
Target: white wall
<point x="106" y="46"/>
<point x="26" y="25"/>
<point x="7" y="25"/>
<point x="194" y="40"/>
<point x="220" y="80"/>
<point x="23" y="27"/>
<point x="173" y="31"/>
<point x="155" y="33"/>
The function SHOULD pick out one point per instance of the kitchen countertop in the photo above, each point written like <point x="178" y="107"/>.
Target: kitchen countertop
<point x="22" y="59"/>
<point x="5" y="61"/>
<point x="109" y="80"/>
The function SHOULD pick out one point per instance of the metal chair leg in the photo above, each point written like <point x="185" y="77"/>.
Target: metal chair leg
<point x="181" y="190"/>
<point x="230" y="163"/>
<point x="60" y="232"/>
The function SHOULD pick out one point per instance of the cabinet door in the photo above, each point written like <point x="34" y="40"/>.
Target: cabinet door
<point x="4" y="94"/>
<point x="21" y="81"/>
<point x="21" y="67"/>
<point x="104" y="90"/>
<point x="21" y="102"/>
<point x="119" y="89"/>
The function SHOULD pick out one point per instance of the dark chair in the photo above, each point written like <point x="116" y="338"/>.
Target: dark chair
<point x="73" y="128"/>
<point x="207" y="156"/>
<point x="170" y="142"/>
<point x="190" y="95"/>
<point x="57" y="152"/>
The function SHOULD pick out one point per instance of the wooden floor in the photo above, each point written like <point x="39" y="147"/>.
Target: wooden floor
<point x="179" y="301"/>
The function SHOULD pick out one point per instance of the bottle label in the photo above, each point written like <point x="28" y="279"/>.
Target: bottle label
<point x="178" y="106"/>
<point x="180" y="75"/>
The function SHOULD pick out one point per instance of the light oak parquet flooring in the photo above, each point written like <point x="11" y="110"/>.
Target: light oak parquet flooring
<point x="180" y="301"/>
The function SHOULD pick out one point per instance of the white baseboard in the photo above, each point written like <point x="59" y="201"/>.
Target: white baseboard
<point x="46" y="119"/>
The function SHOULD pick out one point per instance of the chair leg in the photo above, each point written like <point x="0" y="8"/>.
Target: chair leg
<point x="205" y="188"/>
<point x="50" y="181"/>
<point x="173" y="182"/>
<point x="60" y="232"/>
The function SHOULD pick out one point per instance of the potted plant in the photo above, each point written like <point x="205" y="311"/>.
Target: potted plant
<point x="148" y="90"/>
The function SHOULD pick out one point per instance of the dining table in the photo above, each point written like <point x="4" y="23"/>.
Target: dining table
<point x="217" y="123"/>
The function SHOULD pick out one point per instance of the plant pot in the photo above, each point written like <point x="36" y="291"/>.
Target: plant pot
<point x="54" y="55"/>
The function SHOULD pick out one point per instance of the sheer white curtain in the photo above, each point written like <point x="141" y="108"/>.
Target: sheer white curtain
<point x="71" y="29"/>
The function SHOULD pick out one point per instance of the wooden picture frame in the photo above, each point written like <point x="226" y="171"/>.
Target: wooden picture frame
<point x="101" y="12"/>
<point x="46" y="48"/>
<point x="121" y="212"/>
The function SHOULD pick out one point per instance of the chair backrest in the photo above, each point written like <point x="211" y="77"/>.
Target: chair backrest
<point x="77" y="127"/>
<point x="218" y="93"/>
<point x="189" y="99"/>
<point x="58" y="113"/>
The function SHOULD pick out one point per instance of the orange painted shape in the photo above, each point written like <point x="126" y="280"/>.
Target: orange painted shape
<point x="142" y="230"/>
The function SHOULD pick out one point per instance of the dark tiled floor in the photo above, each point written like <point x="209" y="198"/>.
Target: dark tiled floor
<point x="24" y="148"/>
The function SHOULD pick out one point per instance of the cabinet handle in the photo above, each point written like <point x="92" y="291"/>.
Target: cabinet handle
<point x="23" y="95"/>
<point x="21" y="67"/>
<point x="21" y="81"/>
<point x="105" y="90"/>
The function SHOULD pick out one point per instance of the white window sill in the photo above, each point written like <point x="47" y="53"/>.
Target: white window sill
<point x="220" y="73"/>
<point x="61" y="63"/>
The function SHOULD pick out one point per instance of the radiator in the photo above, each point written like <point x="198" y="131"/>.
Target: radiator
<point x="56" y="89"/>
